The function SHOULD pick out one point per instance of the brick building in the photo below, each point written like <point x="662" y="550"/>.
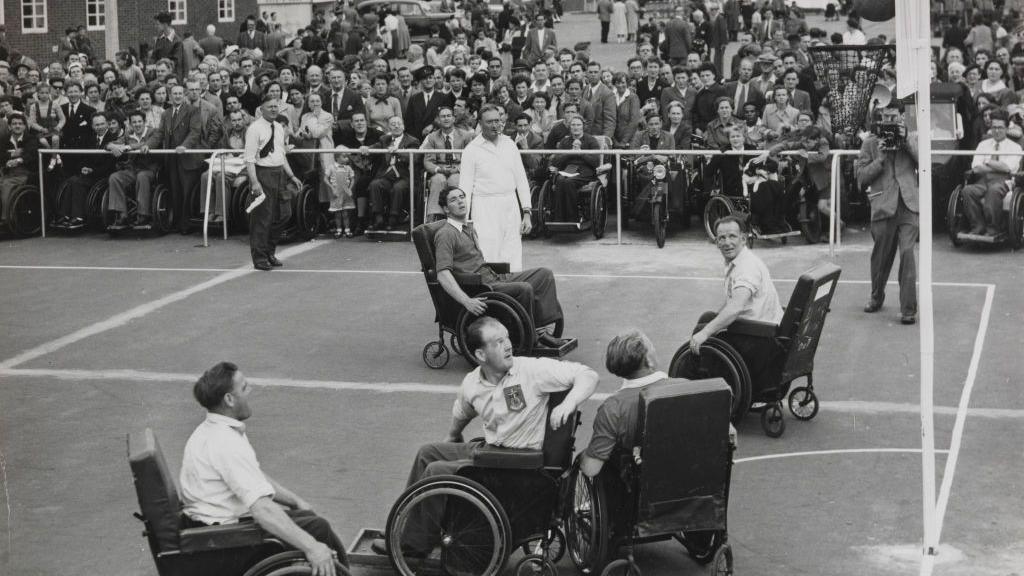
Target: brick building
<point x="35" y="27"/>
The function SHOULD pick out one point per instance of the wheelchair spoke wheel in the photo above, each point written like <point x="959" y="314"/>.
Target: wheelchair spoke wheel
<point x="700" y="545"/>
<point x="660" y="221"/>
<point x="621" y="567"/>
<point x="555" y="546"/>
<point x="308" y="213"/>
<point x="535" y="565"/>
<point x="598" y="211"/>
<point x="586" y="523"/>
<point x="163" y="214"/>
<point x="772" y="420"/>
<point x="1015" y="224"/>
<point x="452" y="513"/>
<point x="24" y="212"/>
<point x="94" y="204"/>
<point x="290" y="563"/>
<point x="722" y="563"/>
<point x="239" y="219"/>
<point x="435" y="355"/>
<point x="956" y="216"/>
<point x="717" y="207"/>
<point x="803" y="403"/>
<point x="810" y="219"/>
<point x="717" y="359"/>
<point x="542" y="210"/>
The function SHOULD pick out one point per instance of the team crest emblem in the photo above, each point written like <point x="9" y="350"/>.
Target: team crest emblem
<point x="514" y="399"/>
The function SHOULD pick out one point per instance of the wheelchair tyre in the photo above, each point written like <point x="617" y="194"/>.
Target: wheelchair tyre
<point x="510" y="313"/>
<point x="803" y="403"/>
<point x="94" y="205"/>
<point x="598" y="211"/>
<point x="718" y="206"/>
<point x="23" y="216"/>
<point x="556" y="547"/>
<point x="717" y="359"/>
<point x="535" y="565"/>
<point x="163" y="213"/>
<point x="475" y="532"/>
<point x="290" y="563"/>
<point x="660" y="221"/>
<point x="435" y="355"/>
<point x="956" y="216"/>
<point x="542" y="210"/>
<point x="1015" y="220"/>
<point x="535" y="222"/>
<point x="586" y="523"/>
<point x="700" y="545"/>
<point x="810" y="220"/>
<point x="722" y="563"/>
<point x="621" y="567"/>
<point x="239" y="219"/>
<point x="772" y="420"/>
<point x="307" y="212"/>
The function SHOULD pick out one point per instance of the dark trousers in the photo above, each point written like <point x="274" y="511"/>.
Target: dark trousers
<point x="435" y="459"/>
<point x="896" y="233"/>
<point x="757" y="352"/>
<point x="984" y="204"/>
<point x="718" y="58"/>
<point x="604" y="31"/>
<point x="389" y="195"/>
<point x="535" y="290"/>
<point x="182" y="182"/>
<point x="72" y="204"/>
<point x="269" y="219"/>
<point x="566" y="198"/>
<point x="314" y="525"/>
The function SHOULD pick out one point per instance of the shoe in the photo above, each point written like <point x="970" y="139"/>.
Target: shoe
<point x="75" y="224"/>
<point x="337" y="233"/>
<point x="977" y="231"/>
<point x="550" y="341"/>
<point x="143" y="223"/>
<point x="274" y="262"/>
<point x="61" y="222"/>
<point x="873" y="306"/>
<point x="119" y="223"/>
<point x="216" y="219"/>
<point x="349" y="233"/>
<point x="265" y="266"/>
<point x="908" y="319"/>
<point x="991" y="232"/>
<point x="254" y="202"/>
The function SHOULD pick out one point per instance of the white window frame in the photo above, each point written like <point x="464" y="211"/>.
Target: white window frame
<point x="225" y="10"/>
<point x="101" y="12"/>
<point x="178" y="8"/>
<point x="37" y="5"/>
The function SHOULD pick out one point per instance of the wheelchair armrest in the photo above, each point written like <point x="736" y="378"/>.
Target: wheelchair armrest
<point x="604" y="168"/>
<point x="753" y="328"/>
<point x="487" y="456"/>
<point x="245" y="533"/>
<point x="500" y="267"/>
<point x="468" y="279"/>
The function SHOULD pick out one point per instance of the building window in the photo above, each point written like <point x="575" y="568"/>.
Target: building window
<point x="225" y="10"/>
<point x="96" y="14"/>
<point x="178" y="10"/>
<point x="33" y="16"/>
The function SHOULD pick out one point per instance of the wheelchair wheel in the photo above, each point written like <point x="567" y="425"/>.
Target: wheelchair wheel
<point x="598" y="210"/>
<point x="700" y="545"/>
<point x="94" y="204"/>
<point x="290" y="563"/>
<point x="718" y="206"/>
<point x="722" y="563"/>
<point x="163" y="213"/>
<point x="239" y="219"/>
<point x="510" y="313"/>
<point x="23" y="216"/>
<point x="772" y="420"/>
<point x="810" y="219"/>
<point x="535" y="565"/>
<point x="621" y="567"/>
<point x="556" y="546"/>
<point x="717" y="359"/>
<point x="659" y="218"/>
<point x="586" y="520"/>
<point x="453" y="343"/>
<point x="1015" y="220"/>
<point x="308" y="215"/>
<point x="956" y="216"/>
<point x="535" y="222"/>
<point x="542" y="210"/>
<point x="435" y="355"/>
<point x="803" y="403"/>
<point x="473" y="531"/>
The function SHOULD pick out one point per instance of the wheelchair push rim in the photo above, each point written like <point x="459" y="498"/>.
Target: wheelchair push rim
<point x="290" y="563"/>
<point x="23" y="218"/>
<point x="510" y="314"/>
<point x="716" y="359"/>
<point x="1015" y="220"/>
<point x="716" y="207"/>
<point x="586" y="523"/>
<point x="956" y="216"/>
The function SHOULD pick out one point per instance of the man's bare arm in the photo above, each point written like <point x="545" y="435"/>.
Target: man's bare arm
<point x="590" y="466"/>
<point x="451" y="286"/>
<point x="458" y="425"/>
<point x="272" y="518"/>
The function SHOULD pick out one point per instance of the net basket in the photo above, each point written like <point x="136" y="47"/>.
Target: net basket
<point x="850" y="72"/>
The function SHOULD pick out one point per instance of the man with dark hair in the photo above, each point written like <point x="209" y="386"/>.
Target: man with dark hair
<point x="19" y="157"/>
<point x="983" y="199"/>
<point x="251" y="37"/>
<point x="704" y="108"/>
<point x="77" y="130"/>
<point x="221" y="480"/>
<point x="423" y="105"/>
<point x="180" y="129"/>
<point x="90" y="169"/>
<point x="168" y="45"/>
<point x="443" y="169"/>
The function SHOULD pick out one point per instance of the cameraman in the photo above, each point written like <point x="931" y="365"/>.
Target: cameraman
<point x="984" y="199"/>
<point x="888" y="166"/>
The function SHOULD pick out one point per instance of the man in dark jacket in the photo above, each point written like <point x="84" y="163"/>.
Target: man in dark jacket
<point x="565" y="200"/>
<point x="92" y="168"/>
<point x="19" y="159"/>
<point x="77" y="131"/>
<point x="389" y="190"/>
<point x="168" y="45"/>
<point x="180" y="128"/>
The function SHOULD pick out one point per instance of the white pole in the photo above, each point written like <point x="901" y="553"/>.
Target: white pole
<point x="112" y="42"/>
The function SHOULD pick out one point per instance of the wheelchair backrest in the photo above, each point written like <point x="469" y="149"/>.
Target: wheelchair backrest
<point x="156" y="490"/>
<point x="683" y="480"/>
<point x="423" y="238"/>
<point x="559" y="444"/>
<point x="805" y="317"/>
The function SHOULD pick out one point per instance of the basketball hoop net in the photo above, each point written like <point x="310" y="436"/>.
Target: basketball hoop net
<point x="850" y="72"/>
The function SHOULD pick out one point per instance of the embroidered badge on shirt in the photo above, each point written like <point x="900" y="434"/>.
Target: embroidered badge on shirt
<point x="514" y="399"/>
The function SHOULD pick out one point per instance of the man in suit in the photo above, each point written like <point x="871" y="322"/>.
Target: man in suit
<point x="180" y="128"/>
<point x="892" y="178"/>
<point x="602" y="103"/>
<point x="19" y="158"/>
<point x="211" y="43"/>
<point x="315" y="84"/>
<point x="443" y="169"/>
<point x="211" y="120"/>
<point x="677" y="36"/>
<point x="402" y="87"/>
<point x="342" y="103"/>
<point x="797" y="98"/>
<point x="743" y="89"/>
<point x="251" y="37"/>
<point x="423" y="106"/>
<point x="604" y="14"/>
<point x="538" y="39"/>
<point x="77" y="131"/>
<point x="250" y="101"/>
<point x="527" y="139"/>
<point x="389" y="190"/>
<point x="718" y="35"/>
<point x="168" y="45"/>
<point x="565" y="200"/>
<point x="704" y="108"/>
<point x="92" y="168"/>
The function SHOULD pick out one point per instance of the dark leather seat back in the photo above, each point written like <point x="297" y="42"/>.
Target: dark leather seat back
<point x="804" y="318"/>
<point x="423" y="238"/>
<point x="157" y="491"/>
<point x="559" y="444"/>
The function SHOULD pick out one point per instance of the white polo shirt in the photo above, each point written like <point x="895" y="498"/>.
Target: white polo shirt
<point x="220" y="476"/>
<point x="515" y="411"/>
<point x="748" y="271"/>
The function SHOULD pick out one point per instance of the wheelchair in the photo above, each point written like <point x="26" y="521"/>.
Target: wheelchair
<point x="241" y="549"/>
<point x="506" y="499"/>
<point x="958" y="226"/>
<point x="665" y="489"/>
<point x="591" y="198"/>
<point x="163" y="213"/>
<point x="760" y="360"/>
<point x="20" y="214"/>
<point x="309" y="217"/>
<point x="237" y="198"/>
<point x="93" y="203"/>
<point x="453" y="320"/>
<point x="662" y="189"/>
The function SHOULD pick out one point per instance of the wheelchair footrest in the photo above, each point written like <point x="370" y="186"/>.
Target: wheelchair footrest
<point x="568" y="345"/>
<point x="567" y="226"/>
<point x="980" y="237"/>
<point x="388" y="235"/>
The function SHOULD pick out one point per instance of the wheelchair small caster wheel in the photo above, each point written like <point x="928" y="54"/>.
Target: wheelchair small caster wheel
<point x="435" y="355"/>
<point x="722" y="563"/>
<point x="535" y="565"/>
<point x="803" y="403"/>
<point x="772" y="420"/>
<point x="621" y="567"/>
<point x="556" y="547"/>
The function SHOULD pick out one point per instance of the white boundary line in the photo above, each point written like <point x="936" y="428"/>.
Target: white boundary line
<point x="831" y="452"/>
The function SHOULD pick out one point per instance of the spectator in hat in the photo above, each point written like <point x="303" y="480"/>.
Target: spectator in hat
<point x="66" y="45"/>
<point x="168" y="45"/>
<point x="251" y="37"/>
<point x="422" y="107"/>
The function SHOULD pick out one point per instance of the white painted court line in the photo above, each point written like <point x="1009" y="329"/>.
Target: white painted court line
<point x="840" y="406"/>
<point x="831" y="452"/>
<point x="144" y="309"/>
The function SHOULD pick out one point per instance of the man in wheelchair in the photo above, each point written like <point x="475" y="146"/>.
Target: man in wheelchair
<point x="983" y="199"/>
<point x="573" y="171"/>
<point x="19" y="158"/>
<point x="457" y="252"/>
<point x="510" y="394"/>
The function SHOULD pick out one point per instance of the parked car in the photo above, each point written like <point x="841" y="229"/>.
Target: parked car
<point x="419" y="16"/>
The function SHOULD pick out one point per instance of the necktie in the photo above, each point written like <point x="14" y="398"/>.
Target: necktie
<point x="336" y="104"/>
<point x="743" y="97"/>
<point x="447" y="146"/>
<point x="995" y="158"/>
<point x="268" y="148"/>
<point x="174" y="114"/>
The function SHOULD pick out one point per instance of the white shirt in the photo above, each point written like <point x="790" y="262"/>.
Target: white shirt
<point x="854" y="36"/>
<point x="257" y="135"/>
<point x="748" y="271"/>
<point x="529" y="381"/>
<point x="494" y="169"/>
<point x="641" y="382"/>
<point x="989" y="148"/>
<point x="220" y="476"/>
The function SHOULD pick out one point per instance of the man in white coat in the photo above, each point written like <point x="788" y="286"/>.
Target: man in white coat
<point x="498" y="193"/>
